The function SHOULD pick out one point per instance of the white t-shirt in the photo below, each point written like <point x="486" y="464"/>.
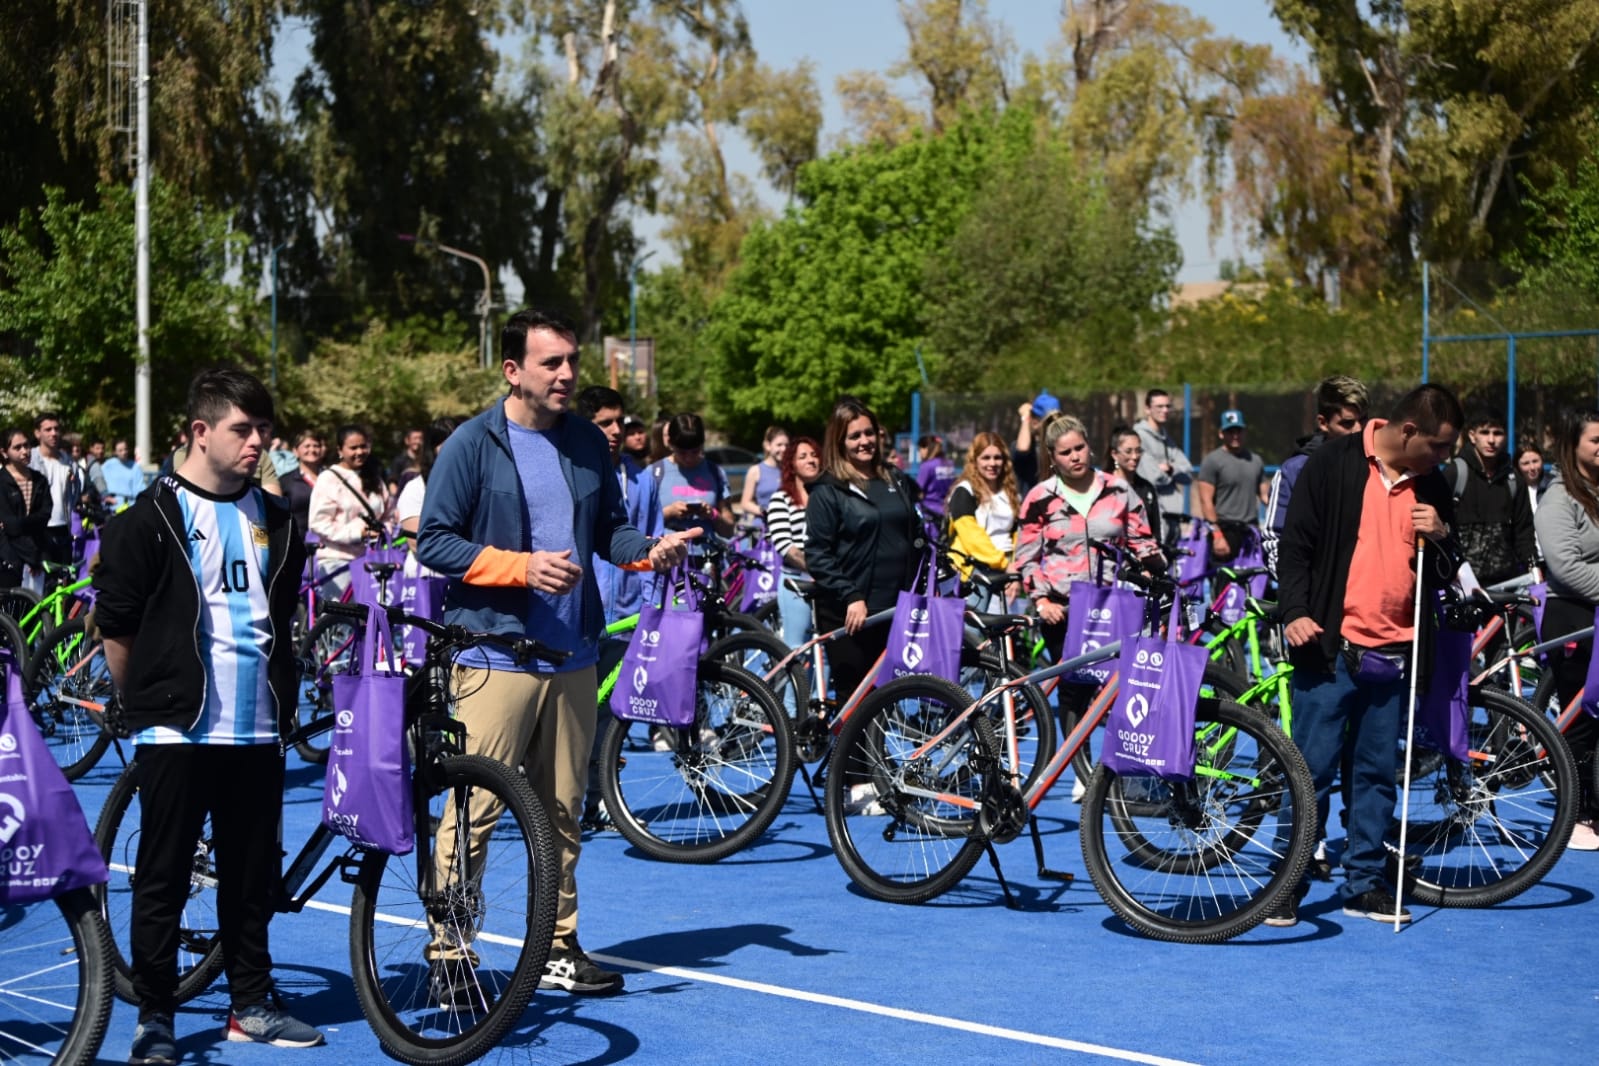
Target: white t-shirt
<point x="409" y="505"/>
<point x="58" y="472"/>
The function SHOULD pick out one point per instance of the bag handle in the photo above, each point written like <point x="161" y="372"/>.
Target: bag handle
<point x="375" y="634"/>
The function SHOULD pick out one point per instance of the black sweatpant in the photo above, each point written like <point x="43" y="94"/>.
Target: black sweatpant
<point x="849" y="657"/>
<point x="241" y="788"/>
<point x="1563" y="616"/>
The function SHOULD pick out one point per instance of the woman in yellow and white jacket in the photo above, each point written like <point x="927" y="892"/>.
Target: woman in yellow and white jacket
<point x="982" y="509"/>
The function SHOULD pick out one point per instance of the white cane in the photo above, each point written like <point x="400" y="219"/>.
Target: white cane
<point x="1410" y="732"/>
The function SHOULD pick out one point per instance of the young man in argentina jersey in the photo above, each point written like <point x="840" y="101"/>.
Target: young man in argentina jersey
<point x="195" y="591"/>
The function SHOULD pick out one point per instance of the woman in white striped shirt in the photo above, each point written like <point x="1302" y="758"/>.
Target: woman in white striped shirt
<point x="785" y="525"/>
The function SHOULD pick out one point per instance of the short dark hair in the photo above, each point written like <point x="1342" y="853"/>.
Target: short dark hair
<point x="213" y="392"/>
<point x="11" y="433"/>
<point x="686" y="431"/>
<point x="1430" y="408"/>
<point x="596" y="398"/>
<point x="1149" y="397"/>
<point x="436" y="434"/>
<point x="45" y="416"/>
<point x="1338" y="392"/>
<point x="513" y="338"/>
<point x="1484" y="420"/>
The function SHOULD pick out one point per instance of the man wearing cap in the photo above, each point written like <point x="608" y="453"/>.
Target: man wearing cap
<point x="1023" y="457"/>
<point x="1231" y="487"/>
<point x="1164" y="464"/>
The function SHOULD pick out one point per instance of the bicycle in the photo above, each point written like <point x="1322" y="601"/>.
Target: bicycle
<point x="55" y="992"/>
<point x="68" y="686"/>
<point x="708" y="789"/>
<point x="920" y="785"/>
<point x="497" y="909"/>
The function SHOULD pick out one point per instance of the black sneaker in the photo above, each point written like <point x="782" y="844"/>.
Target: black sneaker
<point x="153" y="1043"/>
<point x="453" y="985"/>
<point x="1284" y="914"/>
<point x="1377" y="904"/>
<point x="574" y="972"/>
<point x="597" y="820"/>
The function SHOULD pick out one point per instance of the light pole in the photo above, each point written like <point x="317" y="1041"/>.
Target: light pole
<point x="485" y="302"/>
<point x="275" y="252"/>
<point x="632" y="319"/>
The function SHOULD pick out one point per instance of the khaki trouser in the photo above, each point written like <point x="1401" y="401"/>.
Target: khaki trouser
<point x="545" y="724"/>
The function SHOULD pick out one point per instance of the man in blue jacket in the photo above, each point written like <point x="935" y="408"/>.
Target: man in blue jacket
<point x="514" y="545"/>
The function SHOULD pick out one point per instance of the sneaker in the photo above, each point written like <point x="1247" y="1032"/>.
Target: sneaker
<point x="660" y="740"/>
<point x="574" y="972"/>
<point x="1376" y="904"/>
<point x="264" y="1023"/>
<point x="1320" y="868"/>
<point x="453" y="985"/>
<point x="1284" y="914"/>
<point x="1583" y="837"/>
<point x="1079" y="790"/>
<point x="153" y="1043"/>
<point x="597" y="820"/>
<point x="863" y="800"/>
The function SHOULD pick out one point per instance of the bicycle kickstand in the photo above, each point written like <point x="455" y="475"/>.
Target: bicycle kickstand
<point x="993" y="859"/>
<point x="810" y="786"/>
<point x="1038" y="853"/>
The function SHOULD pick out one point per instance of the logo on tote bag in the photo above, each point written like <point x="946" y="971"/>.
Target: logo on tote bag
<point x="1137" y="709"/>
<point x="8" y="743"/>
<point x="341" y="785"/>
<point x="641" y="678"/>
<point x="912" y="655"/>
<point x="12" y="821"/>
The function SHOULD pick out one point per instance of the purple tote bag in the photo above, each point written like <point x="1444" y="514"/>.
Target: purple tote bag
<point x="657" y="683"/>
<point x="1443" y="711"/>
<point x="1098" y="615"/>
<point x="366" y="797"/>
<point x="364" y="584"/>
<point x="924" y="637"/>
<point x="761" y="576"/>
<point x="1193" y="558"/>
<point x="422" y="595"/>
<point x="1150" y="727"/>
<point x="46" y="848"/>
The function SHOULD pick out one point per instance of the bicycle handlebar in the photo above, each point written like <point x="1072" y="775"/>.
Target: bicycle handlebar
<point x="522" y="648"/>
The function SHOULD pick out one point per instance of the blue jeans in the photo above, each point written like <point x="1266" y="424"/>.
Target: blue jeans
<point x="795" y="613"/>
<point x="1331" y="710"/>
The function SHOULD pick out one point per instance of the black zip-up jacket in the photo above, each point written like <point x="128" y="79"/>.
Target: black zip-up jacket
<point x="1496" y="501"/>
<point x="22" y="528"/>
<point x="1318" y="543"/>
<point x="144" y="588"/>
<point x="841" y="538"/>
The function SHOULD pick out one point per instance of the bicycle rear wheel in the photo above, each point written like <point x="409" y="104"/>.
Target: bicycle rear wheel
<point x="1035" y="739"/>
<point x="116" y="834"/>
<point x="12" y="640"/>
<point x="717" y="785"/>
<point x="759" y="652"/>
<point x="1488" y="828"/>
<point x="1204" y="860"/>
<point x="67" y="673"/>
<point x="481" y="918"/>
<point x="902" y="810"/>
<point x="330" y="648"/>
<point x="55" y="993"/>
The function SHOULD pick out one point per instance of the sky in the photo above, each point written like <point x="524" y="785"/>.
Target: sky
<point x="840" y="36"/>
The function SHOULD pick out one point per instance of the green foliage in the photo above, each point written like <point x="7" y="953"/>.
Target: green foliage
<point x="390" y="378"/>
<point x="67" y="300"/>
<point x="830" y="299"/>
<point x="1565" y="237"/>
<point x="1045" y="265"/>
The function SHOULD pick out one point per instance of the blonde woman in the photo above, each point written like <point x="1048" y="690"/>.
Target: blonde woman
<point x="983" y="509"/>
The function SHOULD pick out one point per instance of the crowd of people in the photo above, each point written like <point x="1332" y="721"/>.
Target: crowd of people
<point x="549" y="511"/>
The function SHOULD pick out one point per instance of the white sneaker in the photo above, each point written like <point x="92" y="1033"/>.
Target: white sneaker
<point x="1583" y="837"/>
<point x="1079" y="790"/>
<point x="863" y="800"/>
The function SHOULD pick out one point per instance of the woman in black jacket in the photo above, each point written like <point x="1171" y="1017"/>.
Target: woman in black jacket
<point x="24" y="510"/>
<point x="863" y="540"/>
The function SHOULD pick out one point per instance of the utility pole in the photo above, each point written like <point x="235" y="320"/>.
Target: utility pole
<point x="485" y="302"/>
<point x="128" y="28"/>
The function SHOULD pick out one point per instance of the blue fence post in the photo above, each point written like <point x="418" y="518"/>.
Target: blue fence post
<point x="1188" y="426"/>
<point x="1510" y="391"/>
<point x="916" y="431"/>
<point x="1426" y="320"/>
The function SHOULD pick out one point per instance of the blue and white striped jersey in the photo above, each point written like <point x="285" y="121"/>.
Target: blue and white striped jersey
<point x="227" y="549"/>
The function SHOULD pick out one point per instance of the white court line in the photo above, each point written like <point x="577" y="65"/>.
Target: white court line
<point x="822" y="999"/>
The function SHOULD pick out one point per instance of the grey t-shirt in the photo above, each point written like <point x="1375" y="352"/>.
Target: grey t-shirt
<point x="1237" y="481"/>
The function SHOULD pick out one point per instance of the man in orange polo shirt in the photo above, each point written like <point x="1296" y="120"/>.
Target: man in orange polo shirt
<point x="1346" y="567"/>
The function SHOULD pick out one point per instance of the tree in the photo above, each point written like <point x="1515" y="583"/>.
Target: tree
<point x="69" y="325"/>
<point x="1046" y="272"/>
<point x="830" y="298"/>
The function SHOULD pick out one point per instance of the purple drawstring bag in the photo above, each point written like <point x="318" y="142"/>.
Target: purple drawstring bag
<point x="657" y="683"/>
<point x="1150" y="727"/>
<point x="1097" y="615"/>
<point x="761" y="576"/>
<point x="1193" y="556"/>
<point x="366" y="797"/>
<point x="925" y="633"/>
<point x="1443" y="712"/>
<point x="46" y="848"/>
<point x="364" y="583"/>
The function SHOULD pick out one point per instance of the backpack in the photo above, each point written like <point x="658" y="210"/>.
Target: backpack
<point x="1457" y="479"/>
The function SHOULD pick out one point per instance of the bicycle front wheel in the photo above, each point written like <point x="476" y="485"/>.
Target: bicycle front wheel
<point x="447" y="945"/>
<point x="1204" y="860"/>
<point x="1488" y="828"/>
<point x="55" y="993"/>
<point x="705" y="791"/>
<point x="904" y="789"/>
<point x="759" y="652"/>
<point x="67" y="683"/>
<point x="117" y="834"/>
